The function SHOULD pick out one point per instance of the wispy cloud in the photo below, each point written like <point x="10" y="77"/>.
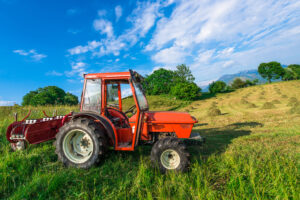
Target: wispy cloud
<point x="74" y="31"/>
<point x="54" y="73"/>
<point x="142" y="19"/>
<point x="104" y="27"/>
<point x="118" y="12"/>
<point x="72" y="11"/>
<point x="31" y="53"/>
<point x="229" y="35"/>
<point x="78" y="68"/>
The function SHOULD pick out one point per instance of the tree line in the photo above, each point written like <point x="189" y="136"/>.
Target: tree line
<point x="178" y="83"/>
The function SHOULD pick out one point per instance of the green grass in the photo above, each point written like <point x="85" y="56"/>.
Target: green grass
<point x="251" y="153"/>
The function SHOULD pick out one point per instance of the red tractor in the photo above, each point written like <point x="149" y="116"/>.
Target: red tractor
<point x="81" y="139"/>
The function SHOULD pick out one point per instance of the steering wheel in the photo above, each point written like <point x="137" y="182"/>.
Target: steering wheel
<point x="131" y="110"/>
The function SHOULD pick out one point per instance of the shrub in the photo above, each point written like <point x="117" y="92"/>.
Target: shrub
<point x="284" y="96"/>
<point x="217" y="87"/>
<point x="268" y="105"/>
<point x="186" y="91"/>
<point x="238" y="83"/>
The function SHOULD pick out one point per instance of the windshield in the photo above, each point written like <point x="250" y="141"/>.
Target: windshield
<point x="142" y="101"/>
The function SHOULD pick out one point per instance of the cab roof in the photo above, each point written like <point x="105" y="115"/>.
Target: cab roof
<point x="109" y="75"/>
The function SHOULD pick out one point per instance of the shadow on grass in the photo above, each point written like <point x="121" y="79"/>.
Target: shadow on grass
<point x="217" y="139"/>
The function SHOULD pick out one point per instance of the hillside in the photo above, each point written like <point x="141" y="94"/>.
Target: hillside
<point x="252" y="152"/>
<point x="244" y="75"/>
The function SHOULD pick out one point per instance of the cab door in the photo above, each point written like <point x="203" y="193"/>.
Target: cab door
<point x="91" y="99"/>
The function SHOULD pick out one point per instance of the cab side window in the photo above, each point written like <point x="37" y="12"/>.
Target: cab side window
<point x="92" y="96"/>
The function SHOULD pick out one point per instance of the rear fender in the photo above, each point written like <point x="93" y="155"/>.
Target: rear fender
<point x="104" y="121"/>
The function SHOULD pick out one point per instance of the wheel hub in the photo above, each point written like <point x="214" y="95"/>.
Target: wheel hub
<point x="170" y="159"/>
<point x="78" y="146"/>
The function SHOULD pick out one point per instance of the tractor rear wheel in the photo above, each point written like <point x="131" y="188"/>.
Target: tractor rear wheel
<point x="80" y="143"/>
<point x="169" y="154"/>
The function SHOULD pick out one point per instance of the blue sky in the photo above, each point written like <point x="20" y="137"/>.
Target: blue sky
<point x="53" y="42"/>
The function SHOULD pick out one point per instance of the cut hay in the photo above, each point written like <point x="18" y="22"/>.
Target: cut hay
<point x="262" y="97"/>
<point x="268" y="105"/>
<point x="251" y="105"/>
<point x="276" y="101"/>
<point x="214" y="103"/>
<point x="293" y="101"/>
<point x="244" y="101"/>
<point x="214" y="111"/>
<point x="295" y="109"/>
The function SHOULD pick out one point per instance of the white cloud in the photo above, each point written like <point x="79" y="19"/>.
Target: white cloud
<point x="7" y="103"/>
<point x="172" y="55"/>
<point x="104" y="26"/>
<point x="78" y="68"/>
<point x="31" y="53"/>
<point x="118" y="12"/>
<point x="54" y="73"/>
<point x="204" y="56"/>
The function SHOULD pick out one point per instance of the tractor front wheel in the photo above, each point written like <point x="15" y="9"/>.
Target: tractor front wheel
<point x="169" y="154"/>
<point x="80" y="143"/>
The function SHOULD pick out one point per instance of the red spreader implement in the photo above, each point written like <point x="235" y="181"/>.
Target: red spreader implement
<point x="81" y="139"/>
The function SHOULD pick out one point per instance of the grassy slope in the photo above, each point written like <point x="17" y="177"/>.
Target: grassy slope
<point x="251" y="153"/>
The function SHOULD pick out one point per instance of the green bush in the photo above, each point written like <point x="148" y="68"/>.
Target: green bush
<point x="238" y="83"/>
<point x="50" y="95"/>
<point x="186" y="91"/>
<point x="217" y="87"/>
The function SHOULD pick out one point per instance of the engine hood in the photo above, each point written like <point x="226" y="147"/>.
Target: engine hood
<point x="169" y="117"/>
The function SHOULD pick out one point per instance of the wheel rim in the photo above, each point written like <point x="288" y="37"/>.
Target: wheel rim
<point x="78" y="146"/>
<point x="170" y="159"/>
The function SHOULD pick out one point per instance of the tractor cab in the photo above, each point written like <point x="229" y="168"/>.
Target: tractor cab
<point x="120" y="99"/>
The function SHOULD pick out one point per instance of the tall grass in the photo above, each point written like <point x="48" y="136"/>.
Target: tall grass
<point x="250" y="154"/>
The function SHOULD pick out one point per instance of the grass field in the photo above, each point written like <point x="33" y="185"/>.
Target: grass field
<point x="252" y="152"/>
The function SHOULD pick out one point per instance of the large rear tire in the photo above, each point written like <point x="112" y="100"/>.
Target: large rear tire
<point x="80" y="143"/>
<point x="169" y="154"/>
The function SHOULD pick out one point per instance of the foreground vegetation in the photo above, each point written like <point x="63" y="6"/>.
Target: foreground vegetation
<point x="252" y="152"/>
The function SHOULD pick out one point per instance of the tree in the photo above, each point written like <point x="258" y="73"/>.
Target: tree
<point x="217" y="87"/>
<point x="271" y="70"/>
<point x="250" y="83"/>
<point x="50" y="95"/>
<point x="70" y="99"/>
<point x="27" y="98"/>
<point x="238" y="83"/>
<point x="186" y="91"/>
<point x="159" y="82"/>
<point x="184" y="74"/>
<point x="289" y="74"/>
<point x="296" y="70"/>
